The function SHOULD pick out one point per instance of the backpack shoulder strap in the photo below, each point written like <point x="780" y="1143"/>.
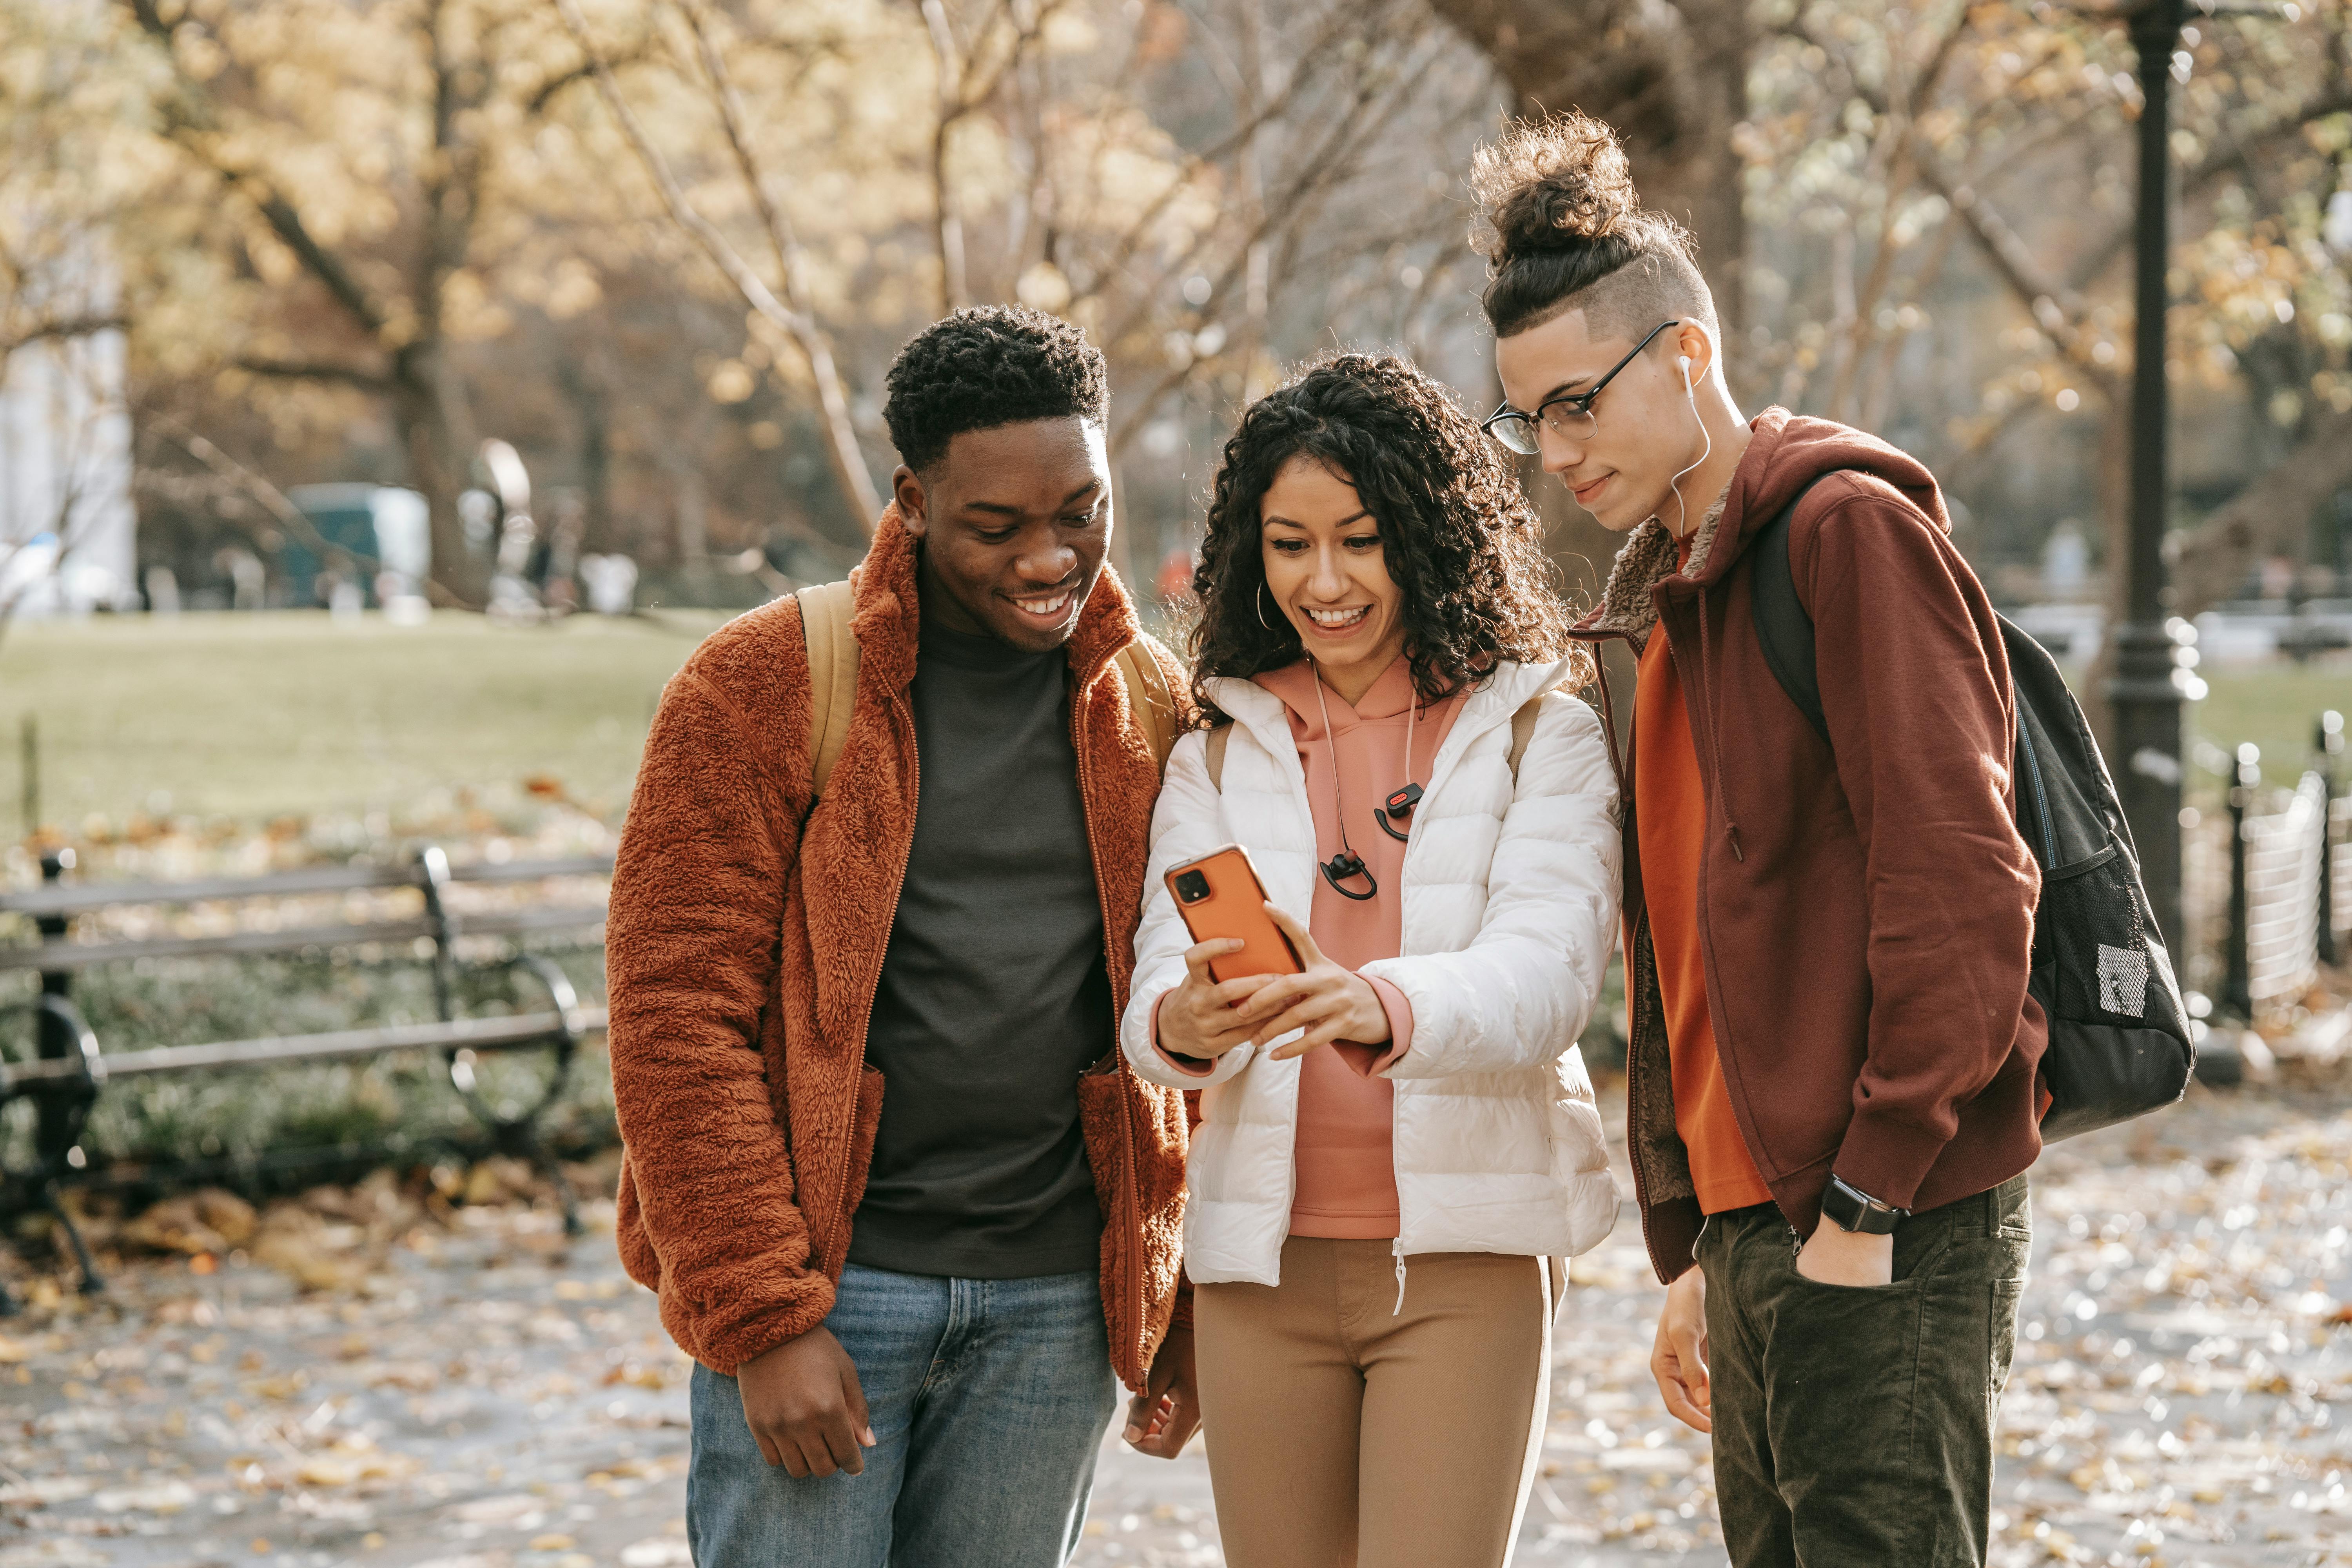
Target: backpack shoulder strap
<point x="826" y="611"/>
<point x="1219" y="739"/>
<point x="1148" y="695"/>
<point x="1782" y="627"/>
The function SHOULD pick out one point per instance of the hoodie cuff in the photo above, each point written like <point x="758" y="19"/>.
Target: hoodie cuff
<point x="1372" y="1060"/>
<point x="1193" y="1064"/>
<point x="1885" y="1158"/>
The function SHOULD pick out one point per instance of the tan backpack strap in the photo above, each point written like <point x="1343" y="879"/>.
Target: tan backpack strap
<point x="1219" y="738"/>
<point x="1523" y="730"/>
<point x="1148" y="696"/>
<point x="826" y="611"/>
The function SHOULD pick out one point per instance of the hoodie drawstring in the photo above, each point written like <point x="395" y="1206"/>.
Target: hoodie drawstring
<point x="1398" y="1248"/>
<point x="1713" y="743"/>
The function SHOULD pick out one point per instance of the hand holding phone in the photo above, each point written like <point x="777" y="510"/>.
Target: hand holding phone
<point x="1198" y="1018"/>
<point x="1256" y="974"/>
<point x="1325" y="1002"/>
<point x="1237" y="949"/>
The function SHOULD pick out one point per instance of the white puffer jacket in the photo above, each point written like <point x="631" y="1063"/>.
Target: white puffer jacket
<point x="1510" y="912"/>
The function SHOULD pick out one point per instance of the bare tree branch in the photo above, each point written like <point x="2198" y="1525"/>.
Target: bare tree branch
<point x="2218" y="161"/>
<point x="848" y="464"/>
<point x="962" y="91"/>
<point x="1325" y="166"/>
<point x="316" y="370"/>
<point x="59" y="328"/>
<point x="2056" y="308"/>
<point x="1138" y="233"/>
<point x="548" y="91"/>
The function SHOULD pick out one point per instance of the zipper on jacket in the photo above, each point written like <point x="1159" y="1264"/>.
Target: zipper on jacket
<point x="1402" y="866"/>
<point x="1132" y="1214"/>
<point x="1714" y="768"/>
<point x="1640" y="960"/>
<point x="1644" y="960"/>
<point x="2041" y="795"/>
<point x="1721" y="806"/>
<point x="898" y="708"/>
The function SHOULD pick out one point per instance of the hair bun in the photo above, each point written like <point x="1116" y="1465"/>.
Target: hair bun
<point x="1556" y="183"/>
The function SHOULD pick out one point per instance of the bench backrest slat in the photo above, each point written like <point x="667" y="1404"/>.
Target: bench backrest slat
<point x="480" y="1035"/>
<point x="66" y="955"/>
<point x="79" y="898"/>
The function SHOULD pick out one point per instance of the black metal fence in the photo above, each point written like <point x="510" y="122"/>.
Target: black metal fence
<point x="2286" y="906"/>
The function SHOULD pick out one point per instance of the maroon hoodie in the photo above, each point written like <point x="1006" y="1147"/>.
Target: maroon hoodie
<point x="1865" y="908"/>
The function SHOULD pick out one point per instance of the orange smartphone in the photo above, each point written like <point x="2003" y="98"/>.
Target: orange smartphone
<point x="1220" y="895"/>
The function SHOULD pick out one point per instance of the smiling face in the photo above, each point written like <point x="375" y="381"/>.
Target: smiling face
<point x="1644" y="429"/>
<point x="1015" y="521"/>
<point x="1325" y="570"/>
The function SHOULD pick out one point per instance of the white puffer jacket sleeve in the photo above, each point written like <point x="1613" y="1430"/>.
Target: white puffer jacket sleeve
<point x="1187" y="824"/>
<point x="1525" y="986"/>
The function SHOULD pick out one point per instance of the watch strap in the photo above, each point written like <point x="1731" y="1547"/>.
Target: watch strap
<point x="1850" y="1208"/>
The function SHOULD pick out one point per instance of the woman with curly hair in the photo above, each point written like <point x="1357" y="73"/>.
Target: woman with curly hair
<point x="1398" y="1143"/>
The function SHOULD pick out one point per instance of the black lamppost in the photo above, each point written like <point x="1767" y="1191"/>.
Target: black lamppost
<point x="2146" y="694"/>
<point x="2147" y="691"/>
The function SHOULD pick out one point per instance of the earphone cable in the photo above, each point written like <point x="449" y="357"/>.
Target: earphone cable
<point x="1351" y="863"/>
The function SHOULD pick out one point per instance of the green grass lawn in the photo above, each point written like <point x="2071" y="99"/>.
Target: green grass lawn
<point x="2277" y="707"/>
<point x="254" y="715"/>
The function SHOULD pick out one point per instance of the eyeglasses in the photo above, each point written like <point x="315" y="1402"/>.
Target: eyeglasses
<point x="1570" y="416"/>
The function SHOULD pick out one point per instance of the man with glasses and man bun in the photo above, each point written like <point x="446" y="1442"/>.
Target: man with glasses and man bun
<point x="1832" y="1075"/>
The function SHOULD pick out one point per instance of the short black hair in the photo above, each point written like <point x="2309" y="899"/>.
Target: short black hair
<point x="986" y="366"/>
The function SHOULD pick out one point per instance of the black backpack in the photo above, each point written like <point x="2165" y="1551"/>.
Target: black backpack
<point x="2119" y="1040"/>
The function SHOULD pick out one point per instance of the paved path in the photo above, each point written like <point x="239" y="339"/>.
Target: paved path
<point x="464" y="1391"/>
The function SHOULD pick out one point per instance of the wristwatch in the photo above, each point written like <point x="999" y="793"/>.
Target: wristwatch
<point x="1851" y="1208"/>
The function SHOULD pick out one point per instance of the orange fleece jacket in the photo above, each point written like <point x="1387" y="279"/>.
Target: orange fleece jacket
<point x="744" y="941"/>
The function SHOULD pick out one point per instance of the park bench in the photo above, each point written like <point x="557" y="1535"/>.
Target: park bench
<point x="67" y="1070"/>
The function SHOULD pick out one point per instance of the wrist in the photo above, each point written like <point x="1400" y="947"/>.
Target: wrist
<point x="1848" y="1208"/>
<point x="1374" y="1028"/>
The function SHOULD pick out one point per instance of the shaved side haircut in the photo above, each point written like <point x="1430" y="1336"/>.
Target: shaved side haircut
<point x="1563" y="229"/>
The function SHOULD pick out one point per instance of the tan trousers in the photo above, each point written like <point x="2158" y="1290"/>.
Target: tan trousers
<point x="1342" y="1433"/>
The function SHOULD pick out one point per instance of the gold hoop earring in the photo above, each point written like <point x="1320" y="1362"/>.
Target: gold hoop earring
<point x="1257" y="603"/>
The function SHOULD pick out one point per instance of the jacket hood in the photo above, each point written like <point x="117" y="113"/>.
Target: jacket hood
<point x="1496" y="696"/>
<point x="888" y="616"/>
<point x="1786" y="453"/>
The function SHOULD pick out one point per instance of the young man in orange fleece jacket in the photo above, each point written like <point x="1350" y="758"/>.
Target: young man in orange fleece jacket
<point x="901" y="1197"/>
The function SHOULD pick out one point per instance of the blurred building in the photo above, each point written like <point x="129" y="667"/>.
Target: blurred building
<point x="67" y="526"/>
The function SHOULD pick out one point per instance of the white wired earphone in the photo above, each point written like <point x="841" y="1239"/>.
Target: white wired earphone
<point x="1690" y="394"/>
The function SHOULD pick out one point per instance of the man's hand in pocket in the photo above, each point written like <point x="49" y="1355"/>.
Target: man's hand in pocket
<point x="1835" y="1256"/>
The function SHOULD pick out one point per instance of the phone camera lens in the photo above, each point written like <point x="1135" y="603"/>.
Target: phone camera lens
<point x="1191" y="886"/>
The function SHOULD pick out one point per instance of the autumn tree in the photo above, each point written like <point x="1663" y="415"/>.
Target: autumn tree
<point x="355" y="171"/>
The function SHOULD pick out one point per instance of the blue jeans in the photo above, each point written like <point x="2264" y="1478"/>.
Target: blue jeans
<point x="988" y="1399"/>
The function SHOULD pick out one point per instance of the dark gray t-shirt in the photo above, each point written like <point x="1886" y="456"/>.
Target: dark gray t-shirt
<point x="994" y="996"/>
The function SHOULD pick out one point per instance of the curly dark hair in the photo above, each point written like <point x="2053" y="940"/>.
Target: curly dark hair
<point x="991" y="365"/>
<point x="1456" y="532"/>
